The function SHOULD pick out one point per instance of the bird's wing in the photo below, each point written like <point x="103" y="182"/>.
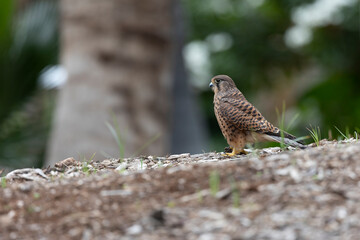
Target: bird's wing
<point x="244" y="116"/>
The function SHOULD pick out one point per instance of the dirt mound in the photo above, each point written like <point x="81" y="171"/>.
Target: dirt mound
<point x="268" y="194"/>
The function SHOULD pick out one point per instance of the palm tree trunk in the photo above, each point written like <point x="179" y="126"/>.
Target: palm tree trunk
<point x="118" y="57"/>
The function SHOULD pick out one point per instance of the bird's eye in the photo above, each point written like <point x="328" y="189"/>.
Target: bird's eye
<point x="217" y="80"/>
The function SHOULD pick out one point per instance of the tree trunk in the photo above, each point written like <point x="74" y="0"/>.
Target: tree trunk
<point x="188" y="126"/>
<point x="118" y="57"/>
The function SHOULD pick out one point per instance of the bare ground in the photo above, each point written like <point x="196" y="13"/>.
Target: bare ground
<point x="269" y="194"/>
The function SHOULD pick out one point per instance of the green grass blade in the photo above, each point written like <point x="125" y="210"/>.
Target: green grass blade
<point x="214" y="182"/>
<point x="292" y="121"/>
<point x="121" y="142"/>
<point x="341" y="132"/>
<point x="315" y="133"/>
<point x="3" y="182"/>
<point x="281" y="118"/>
<point x="150" y="141"/>
<point x="301" y="138"/>
<point x="117" y="139"/>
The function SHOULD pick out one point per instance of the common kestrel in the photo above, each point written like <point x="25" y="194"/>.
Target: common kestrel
<point x="240" y="122"/>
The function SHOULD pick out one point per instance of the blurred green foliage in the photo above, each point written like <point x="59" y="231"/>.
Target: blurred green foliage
<point x="28" y="43"/>
<point x="258" y="31"/>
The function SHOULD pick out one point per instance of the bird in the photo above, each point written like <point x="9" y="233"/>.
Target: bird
<point x="240" y="122"/>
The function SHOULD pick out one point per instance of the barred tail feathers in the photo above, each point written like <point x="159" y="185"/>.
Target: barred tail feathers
<point x="287" y="139"/>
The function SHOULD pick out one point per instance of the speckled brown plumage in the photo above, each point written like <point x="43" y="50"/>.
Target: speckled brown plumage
<point x="240" y="122"/>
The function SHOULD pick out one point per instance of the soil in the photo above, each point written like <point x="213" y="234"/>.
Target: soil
<point x="268" y="194"/>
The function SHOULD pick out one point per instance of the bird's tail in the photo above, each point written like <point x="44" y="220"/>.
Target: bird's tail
<point x="287" y="139"/>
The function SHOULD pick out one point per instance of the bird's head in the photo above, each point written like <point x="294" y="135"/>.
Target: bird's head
<point x="221" y="83"/>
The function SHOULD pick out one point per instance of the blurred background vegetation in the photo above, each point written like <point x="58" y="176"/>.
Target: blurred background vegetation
<point x="28" y="44"/>
<point x="301" y="53"/>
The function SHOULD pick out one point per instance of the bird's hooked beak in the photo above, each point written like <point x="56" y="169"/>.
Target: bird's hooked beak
<point x="211" y="85"/>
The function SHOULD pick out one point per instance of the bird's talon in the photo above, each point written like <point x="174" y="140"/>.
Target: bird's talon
<point x="234" y="152"/>
<point x="228" y="154"/>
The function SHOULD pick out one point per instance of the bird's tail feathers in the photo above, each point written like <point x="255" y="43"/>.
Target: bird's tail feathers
<point x="289" y="141"/>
